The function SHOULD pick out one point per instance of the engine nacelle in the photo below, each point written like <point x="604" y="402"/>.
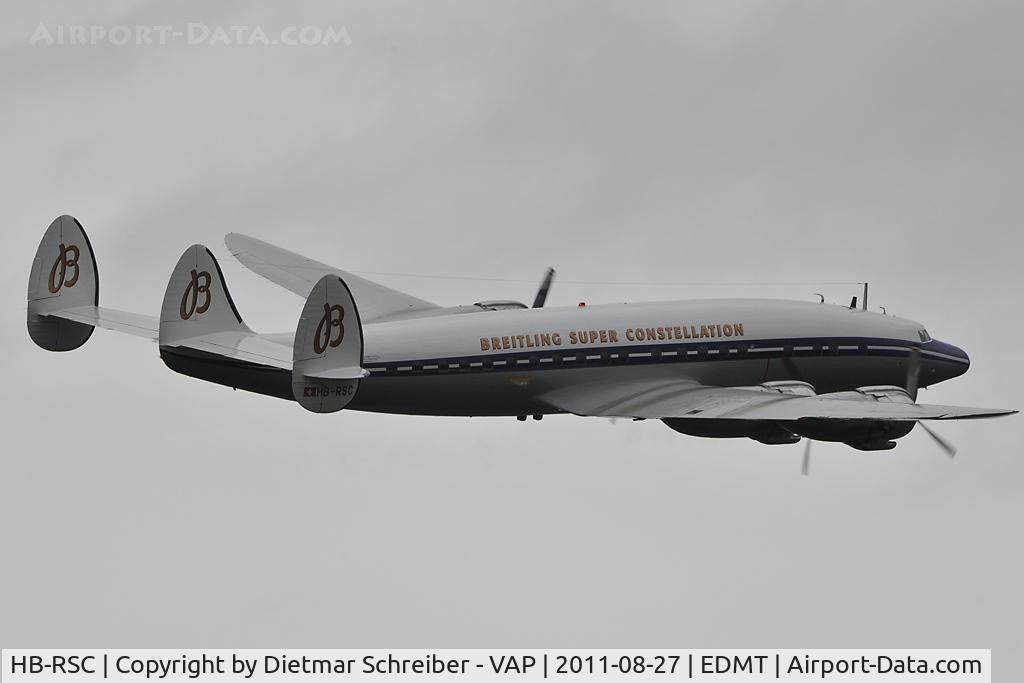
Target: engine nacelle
<point x="765" y="431"/>
<point x="865" y="435"/>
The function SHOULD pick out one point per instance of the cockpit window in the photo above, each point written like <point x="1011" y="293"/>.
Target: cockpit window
<point x="923" y="334"/>
<point x="501" y="305"/>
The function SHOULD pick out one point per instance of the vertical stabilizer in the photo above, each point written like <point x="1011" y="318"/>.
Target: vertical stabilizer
<point x="327" y="357"/>
<point x="197" y="301"/>
<point x="63" y="276"/>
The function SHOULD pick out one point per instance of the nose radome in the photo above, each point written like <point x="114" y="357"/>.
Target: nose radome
<point x="953" y="360"/>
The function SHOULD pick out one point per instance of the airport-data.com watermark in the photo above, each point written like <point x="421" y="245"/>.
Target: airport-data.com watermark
<point x="189" y="34"/>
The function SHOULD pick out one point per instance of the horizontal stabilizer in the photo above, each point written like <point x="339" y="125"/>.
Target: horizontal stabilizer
<point x="248" y="347"/>
<point x="351" y="372"/>
<point x="140" y="325"/>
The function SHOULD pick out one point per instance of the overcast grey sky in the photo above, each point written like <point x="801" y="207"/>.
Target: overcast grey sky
<point x="715" y="141"/>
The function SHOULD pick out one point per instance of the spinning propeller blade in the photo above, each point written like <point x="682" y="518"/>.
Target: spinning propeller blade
<point x="946" y="446"/>
<point x="545" y="285"/>
<point x="805" y="468"/>
<point x="913" y="371"/>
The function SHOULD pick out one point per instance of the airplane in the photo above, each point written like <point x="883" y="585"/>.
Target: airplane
<point x="774" y="371"/>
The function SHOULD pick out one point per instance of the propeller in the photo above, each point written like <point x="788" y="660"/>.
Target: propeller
<point x="545" y="285"/>
<point x="911" y="385"/>
<point x="913" y="372"/>
<point x="946" y="446"/>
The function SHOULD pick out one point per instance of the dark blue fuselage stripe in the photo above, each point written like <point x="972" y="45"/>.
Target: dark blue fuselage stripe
<point x="648" y="354"/>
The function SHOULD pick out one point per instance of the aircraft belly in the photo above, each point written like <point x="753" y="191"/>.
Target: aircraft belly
<point x="511" y="392"/>
<point x="259" y="379"/>
<point x="515" y="393"/>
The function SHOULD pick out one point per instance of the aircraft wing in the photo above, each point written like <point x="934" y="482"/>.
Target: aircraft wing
<point x="298" y="274"/>
<point x="659" y="399"/>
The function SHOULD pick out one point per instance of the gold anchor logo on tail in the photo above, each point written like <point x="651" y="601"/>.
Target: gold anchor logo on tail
<point x="68" y="258"/>
<point x="326" y="329"/>
<point x="190" y="298"/>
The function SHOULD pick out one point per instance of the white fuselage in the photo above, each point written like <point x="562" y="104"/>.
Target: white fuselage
<point x="503" y="362"/>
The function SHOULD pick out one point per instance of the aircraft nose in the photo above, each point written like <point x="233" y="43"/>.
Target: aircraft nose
<point x="946" y="361"/>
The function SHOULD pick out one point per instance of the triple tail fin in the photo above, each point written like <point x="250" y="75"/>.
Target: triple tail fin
<point x="327" y="356"/>
<point x="64" y="276"/>
<point x="197" y="301"/>
<point x="202" y="334"/>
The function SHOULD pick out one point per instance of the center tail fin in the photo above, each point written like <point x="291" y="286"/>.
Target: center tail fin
<point x="202" y="334"/>
<point x="197" y="301"/>
<point x="327" y="357"/>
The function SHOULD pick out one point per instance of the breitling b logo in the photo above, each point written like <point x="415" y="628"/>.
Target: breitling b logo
<point x="199" y="285"/>
<point x="67" y="259"/>
<point x="325" y="330"/>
